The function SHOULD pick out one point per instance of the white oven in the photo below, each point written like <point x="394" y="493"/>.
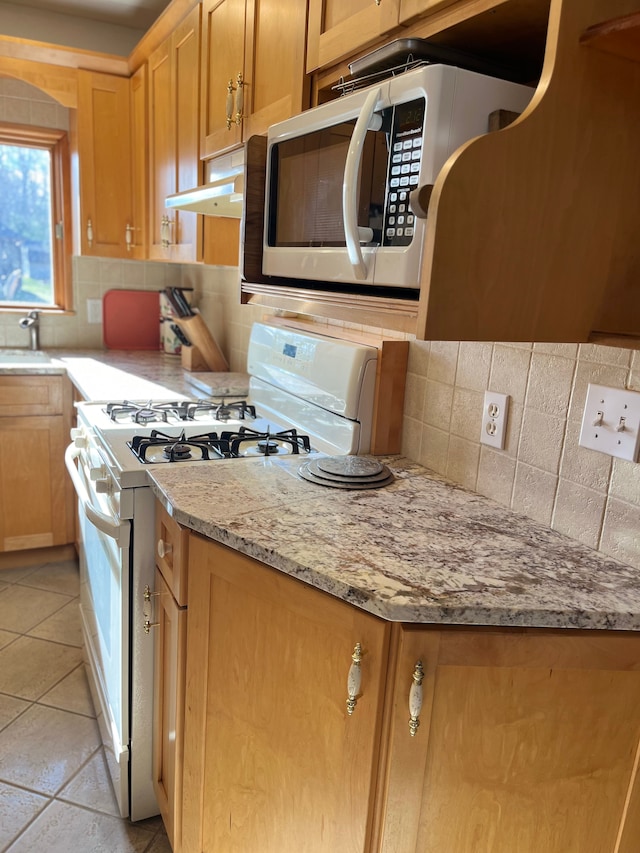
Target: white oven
<point x="308" y="395"/>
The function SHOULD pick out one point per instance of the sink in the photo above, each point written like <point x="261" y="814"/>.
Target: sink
<point x="23" y="356"/>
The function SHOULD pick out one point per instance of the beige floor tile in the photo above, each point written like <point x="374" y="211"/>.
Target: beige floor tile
<point x="62" y="627"/>
<point x="30" y="667"/>
<point x="160" y="844"/>
<point x="71" y="694"/>
<point x="44" y="748"/>
<point x="17" y="574"/>
<point x="92" y="788"/>
<point x="23" y="607"/>
<point x="10" y="708"/>
<point x="62" y="827"/>
<point x="56" y="577"/>
<point x="17" y="809"/>
<point x="7" y="637"/>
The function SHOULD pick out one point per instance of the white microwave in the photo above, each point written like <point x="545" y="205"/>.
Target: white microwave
<point x="340" y="178"/>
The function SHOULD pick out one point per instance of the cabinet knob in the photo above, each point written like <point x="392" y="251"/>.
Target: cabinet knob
<point x="164" y="548"/>
<point x="415" y="698"/>
<point x="354" y="679"/>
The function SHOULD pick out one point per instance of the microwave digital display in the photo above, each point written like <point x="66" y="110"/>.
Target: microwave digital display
<point x="305" y="200"/>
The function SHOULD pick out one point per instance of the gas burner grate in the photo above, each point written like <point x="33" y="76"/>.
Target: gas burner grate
<point x="142" y="413"/>
<point x="222" y="410"/>
<point x="158" y="447"/>
<point x="265" y="443"/>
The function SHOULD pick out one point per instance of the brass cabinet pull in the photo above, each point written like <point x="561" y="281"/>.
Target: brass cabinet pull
<point x="229" y="107"/>
<point x="239" y="99"/>
<point x="148" y="625"/>
<point x="378" y="2"/>
<point x="128" y="236"/>
<point x="166" y="225"/>
<point x="354" y="679"/>
<point x="148" y="595"/>
<point x="89" y="233"/>
<point x="415" y="698"/>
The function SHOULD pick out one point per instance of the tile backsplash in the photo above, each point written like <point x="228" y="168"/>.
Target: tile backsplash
<point x="542" y="472"/>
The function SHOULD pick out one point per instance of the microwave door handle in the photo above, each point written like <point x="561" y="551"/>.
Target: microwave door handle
<point x="350" y="185"/>
<point x="119" y="532"/>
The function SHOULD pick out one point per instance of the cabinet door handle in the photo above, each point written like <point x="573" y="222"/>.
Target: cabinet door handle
<point x="148" y="595"/>
<point x="164" y="548"/>
<point x="89" y="233"/>
<point x="128" y="236"/>
<point x="229" y="107"/>
<point x="378" y="2"/>
<point x="148" y="625"/>
<point x="239" y="99"/>
<point x="415" y="698"/>
<point x="354" y="679"/>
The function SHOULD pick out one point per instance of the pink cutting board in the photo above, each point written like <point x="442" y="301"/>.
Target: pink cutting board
<point x="131" y="319"/>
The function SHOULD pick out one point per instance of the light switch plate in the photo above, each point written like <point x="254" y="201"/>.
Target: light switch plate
<point x="94" y="311"/>
<point x="611" y="422"/>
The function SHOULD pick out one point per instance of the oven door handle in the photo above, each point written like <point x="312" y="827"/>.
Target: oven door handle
<point x="105" y="523"/>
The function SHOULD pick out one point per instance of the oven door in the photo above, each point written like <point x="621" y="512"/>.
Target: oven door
<point x="103" y="544"/>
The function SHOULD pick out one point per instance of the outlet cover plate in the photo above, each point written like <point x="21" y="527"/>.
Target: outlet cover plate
<point x="494" y="419"/>
<point x="606" y="411"/>
<point x="94" y="310"/>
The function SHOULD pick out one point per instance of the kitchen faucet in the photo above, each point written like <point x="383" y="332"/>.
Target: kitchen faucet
<point x="32" y="322"/>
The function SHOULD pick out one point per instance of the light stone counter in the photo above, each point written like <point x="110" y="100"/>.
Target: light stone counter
<point x="420" y="550"/>
<point x="116" y="375"/>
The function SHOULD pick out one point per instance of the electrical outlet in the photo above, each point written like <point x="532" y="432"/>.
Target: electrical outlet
<point x="494" y="419"/>
<point x="94" y="311"/>
<point x="611" y="422"/>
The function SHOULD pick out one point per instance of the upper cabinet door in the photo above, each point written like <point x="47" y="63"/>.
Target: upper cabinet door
<point x="174" y="164"/>
<point x="276" y="86"/>
<point x="105" y="163"/>
<point x="253" y="54"/>
<point x="223" y="73"/>
<point x="137" y="228"/>
<point x="340" y="28"/>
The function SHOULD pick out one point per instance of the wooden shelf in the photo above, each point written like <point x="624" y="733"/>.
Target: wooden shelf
<point x="620" y="36"/>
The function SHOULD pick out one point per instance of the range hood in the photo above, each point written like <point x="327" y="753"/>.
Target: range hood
<point x="222" y="193"/>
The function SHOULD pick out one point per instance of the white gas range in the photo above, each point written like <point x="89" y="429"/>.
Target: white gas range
<point x="308" y="395"/>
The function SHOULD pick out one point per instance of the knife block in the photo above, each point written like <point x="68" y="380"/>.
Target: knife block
<point x="196" y="330"/>
<point x="192" y="359"/>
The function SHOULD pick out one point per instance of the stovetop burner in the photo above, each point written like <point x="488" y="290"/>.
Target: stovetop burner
<point x="174" y="411"/>
<point x="249" y="442"/>
<point x="158" y="447"/>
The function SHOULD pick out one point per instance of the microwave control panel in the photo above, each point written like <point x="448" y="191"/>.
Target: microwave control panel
<point x="405" y="157"/>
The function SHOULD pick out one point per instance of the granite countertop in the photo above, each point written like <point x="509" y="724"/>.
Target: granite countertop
<point x="114" y="374"/>
<point x="420" y="550"/>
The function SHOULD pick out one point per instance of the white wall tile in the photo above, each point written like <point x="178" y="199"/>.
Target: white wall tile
<point x="579" y="512"/>
<point x="534" y="493"/>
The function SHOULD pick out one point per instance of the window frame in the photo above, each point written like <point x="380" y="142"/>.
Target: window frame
<point x="57" y="143"/>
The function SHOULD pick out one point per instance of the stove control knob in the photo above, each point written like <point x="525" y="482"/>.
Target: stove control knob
<point x="98" y="473"/>
<point x="104" y="487"/>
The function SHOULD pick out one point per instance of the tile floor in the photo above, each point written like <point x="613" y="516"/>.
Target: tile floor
<point x="55" y="793"/>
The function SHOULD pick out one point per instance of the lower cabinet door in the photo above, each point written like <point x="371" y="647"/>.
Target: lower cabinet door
<point x="528" y="741"/>
<point x="168" y="708"/>
<point x="273" y="760"/>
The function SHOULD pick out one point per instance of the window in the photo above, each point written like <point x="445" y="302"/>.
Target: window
<point x="34" y="218"/>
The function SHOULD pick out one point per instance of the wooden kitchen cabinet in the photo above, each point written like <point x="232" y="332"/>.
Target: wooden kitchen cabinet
<point x="104" y="154"/>
<point x="174" y="164"/>
<point x="252" y="69"/>
<point x="528" y="741"/>
<point x="36" y="502"/>
<point x="273" y="762"/>
<point x="170" y="618"/>
<point x="137" y="235"/>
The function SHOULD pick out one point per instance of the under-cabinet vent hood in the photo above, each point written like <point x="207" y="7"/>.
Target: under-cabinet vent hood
<point x="222" y="193"/>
